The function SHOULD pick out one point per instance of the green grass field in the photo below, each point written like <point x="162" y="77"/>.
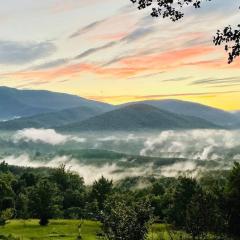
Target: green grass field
<point x="67" y="230"/>
<point x="57" y="229"/>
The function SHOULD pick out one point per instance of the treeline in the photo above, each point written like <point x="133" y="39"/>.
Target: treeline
<point x="207" y="208"/>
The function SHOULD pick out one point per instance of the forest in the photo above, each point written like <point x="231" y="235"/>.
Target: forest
<point x="204" y="208"/>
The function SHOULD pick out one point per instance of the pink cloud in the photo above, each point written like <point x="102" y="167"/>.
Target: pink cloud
<point x="129" y="66"/>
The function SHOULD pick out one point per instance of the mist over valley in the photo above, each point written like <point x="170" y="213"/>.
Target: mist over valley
<point x="143" y="139"/>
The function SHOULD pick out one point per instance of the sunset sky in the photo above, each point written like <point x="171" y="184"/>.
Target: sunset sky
<point x="109" y="51"/>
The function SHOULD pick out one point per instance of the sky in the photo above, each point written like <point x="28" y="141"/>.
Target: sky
<point x="109" y="51"/>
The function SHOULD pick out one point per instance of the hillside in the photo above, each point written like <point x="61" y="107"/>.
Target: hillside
<point x="210" y="114"/>
<point x="138" y="117"/>
<point x="237" y="114"/>
<point x="48" y="120"/>
<point x="23" y="103"/>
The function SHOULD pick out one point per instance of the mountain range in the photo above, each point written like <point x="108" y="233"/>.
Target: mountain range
<point x="237" y="114"/>
<point x="210" y="114"/>
<point x="53" y="119"/>
<point x="23" y="103"/>
<point x="45" y="109"/>
<point x="138" y="117"/>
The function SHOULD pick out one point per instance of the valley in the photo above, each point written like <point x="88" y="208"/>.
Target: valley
<point x="144" y="139"/>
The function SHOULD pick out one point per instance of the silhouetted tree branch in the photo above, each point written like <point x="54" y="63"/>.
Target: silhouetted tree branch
<point x="167" y="8"/>
<point x="172" y="9"/>
<point x="231" y="38"/>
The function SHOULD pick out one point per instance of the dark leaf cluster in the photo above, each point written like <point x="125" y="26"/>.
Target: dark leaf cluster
<point x="167" y="8"/>
<point x="231" y="39"/>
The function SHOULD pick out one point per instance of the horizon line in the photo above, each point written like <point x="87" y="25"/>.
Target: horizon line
<point x="125" y="99"/>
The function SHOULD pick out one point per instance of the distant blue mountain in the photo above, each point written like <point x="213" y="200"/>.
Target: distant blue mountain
<point x="237" y="113"/>
<point x="45" y="109"/>
<point x="53" y="119"/>
<point x="138" y="117"/>
<point x="22" y="103"/>
<point x="210" y="114"/>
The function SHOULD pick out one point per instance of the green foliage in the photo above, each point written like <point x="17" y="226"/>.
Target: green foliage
<point x="233" y="200"/>
<point x="178" y="198"/>
<point x="124" y="219"/>
<point x="198" y="215"/>
<point x="198" y="207"/>
<point x="44" y="200"/>
<point x="22" y="203"/>
<point x="6" y="215"/>
<point x="100" y="191"/>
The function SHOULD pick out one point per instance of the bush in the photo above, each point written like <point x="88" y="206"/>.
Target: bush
<point x="73" y="213"/>
<point x="2" y="222"/>
<point x="9" y="237"/>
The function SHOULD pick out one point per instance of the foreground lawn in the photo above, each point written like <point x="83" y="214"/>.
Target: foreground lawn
<point x="57" y="229"/>
<point x="68" y="230"/>
<point x="163" y="232"/>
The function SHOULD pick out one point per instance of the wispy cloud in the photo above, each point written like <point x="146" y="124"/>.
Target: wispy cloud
<point x="127" y="38"/>
<point x="149" y="75"/>
<point x="125" y="68"/>
<point x="14" y="53"/>
<point x="51" y="64"/>
<point x="214" y="80"/>
<point x="95" y="50"/>
<point x="177" y="79"/>
<point x="87" y="28"/>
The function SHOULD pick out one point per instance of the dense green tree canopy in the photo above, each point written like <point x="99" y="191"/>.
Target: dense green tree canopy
<point x="198" y="207"/>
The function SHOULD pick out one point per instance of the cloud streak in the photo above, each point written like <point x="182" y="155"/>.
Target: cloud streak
<point x="16" y="53"/>
<point x="87" y="28"/>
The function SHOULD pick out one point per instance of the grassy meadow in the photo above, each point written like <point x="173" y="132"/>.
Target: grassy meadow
<point x="66" y="230"/>
<point x="57" y="229"/>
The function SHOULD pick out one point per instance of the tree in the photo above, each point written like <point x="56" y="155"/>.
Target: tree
<point x="22" y="206"/>
<point x="44" y="200"/>
<point x="100" y="191"/>
<point x="128" y="220"/>
<point x="29" y="179"/>
<point x="173" y="9"/>
<point x="60" y="177"/>
<point x="5" y="191"/>
<point x="233" y="198"/>
<point x="167" y="8"/>
<point x="178" y="197"/>
<point x="6" y="200"/>
<point x="198" y="215"/>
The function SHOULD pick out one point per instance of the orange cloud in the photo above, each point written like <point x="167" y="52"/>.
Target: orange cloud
<point x="75" y="69"/>
<point x="216" y="63"/>
<point x="167" y="59"/>
<point x="125" y="68"/>
<point x="110" y="36"/>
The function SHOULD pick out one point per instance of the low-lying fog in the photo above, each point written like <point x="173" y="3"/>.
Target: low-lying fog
<point x="165" y="153"/>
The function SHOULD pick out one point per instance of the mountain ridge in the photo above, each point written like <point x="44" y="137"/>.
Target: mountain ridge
<point x="52" y="119"/>
<point x="211" y="114"/>
<point x="24" y="103"/>
<point x="46" y="109"/>
<point x="138" y="117"/>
